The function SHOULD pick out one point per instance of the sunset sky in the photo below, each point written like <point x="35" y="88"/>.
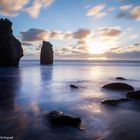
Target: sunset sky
<point x="78" y="29"/>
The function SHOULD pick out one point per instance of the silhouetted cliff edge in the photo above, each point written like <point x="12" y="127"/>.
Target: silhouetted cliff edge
<point x="10" y="48"/>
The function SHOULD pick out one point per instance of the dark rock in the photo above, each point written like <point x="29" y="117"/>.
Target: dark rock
<point x="59" y="118"/>
<point x="115" y="102"/>
<point x="120" y="78"/>
<point x="119" y="86"/>
<point x="10" y="48"/>
<point x="135" y="94"/>
<point x="73" y="86"/>
<point x="46" y="56"/>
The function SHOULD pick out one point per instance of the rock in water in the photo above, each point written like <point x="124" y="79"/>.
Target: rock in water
<point x="46" y="56"/>
<point x="10" y="48"/>
<point x="135" y="94"/>
<point x="120" y="78"/>
<point x="74" y="87"/>
<point x="119" y="87"/>
<point x="114" y="102"/>
<point x="59" y="118"/>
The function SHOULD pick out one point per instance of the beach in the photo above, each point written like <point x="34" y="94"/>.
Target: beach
<point x="32" y="90"/>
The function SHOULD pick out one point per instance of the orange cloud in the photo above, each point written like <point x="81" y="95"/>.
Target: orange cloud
<point x="125" y="7"/>
<point x="12" y="7"/>
<point x="135" y="12"/>
<point x="82" y="33"/>
<point x="110" y="31"/>
<point x="95" y="10"/>
<point x="34" y="10"/>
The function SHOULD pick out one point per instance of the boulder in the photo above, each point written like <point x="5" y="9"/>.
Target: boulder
<point x="74" y="87"/>
<point x="46" y="56"/>
<point x="119" y="87"/>
<point x="135" y="94"/>
<point x="120" y="78"/>
<point x="10" y="48"/>
<point x="114" y="102"/>
<point x="59" y="118"/>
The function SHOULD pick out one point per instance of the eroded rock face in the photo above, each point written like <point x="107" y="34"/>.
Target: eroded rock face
<point x="10" y="48"/>
<point x="119" y="87"/>
<point x="46" y="56"/>
<point x="59" y="118"/>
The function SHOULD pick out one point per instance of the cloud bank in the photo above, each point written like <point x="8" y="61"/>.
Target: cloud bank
<point x="14" y="7"/>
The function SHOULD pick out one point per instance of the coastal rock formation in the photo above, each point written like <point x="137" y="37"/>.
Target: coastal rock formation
<point x="10" y="48"/>
<point x="120" y="78"/>
<point x="119" y="87"/>
<point x="59" y="118"/>
<point x="135" y="94"/>
<point x="114" y="102"/>
<point x="46" y="56"/>
<point x="74" y="87"/>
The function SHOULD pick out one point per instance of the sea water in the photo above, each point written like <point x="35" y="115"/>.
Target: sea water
<point x="29" y="92"/>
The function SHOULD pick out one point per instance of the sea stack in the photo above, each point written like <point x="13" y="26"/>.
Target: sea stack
<point x="10" y="48"/>
<point x="46" y="56"/>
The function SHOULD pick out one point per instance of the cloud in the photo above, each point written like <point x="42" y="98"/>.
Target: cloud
<point x="82" y="33"/>
<point x="135" y="13"/>
<point x="118" y="53"/>
<point x="35" y="35"/>
<point x="110" y="31"/>
<point x="57" y="35"/>
<point x="12" y="7"/>
<point x="34" y="10"/>
<point x="133" y="36"/>
<point x="26" y="44"/>
<point x="101" y="15"/>
<point x="95" y="10"/>
<point x="125" y="7"/>
<point x="135" y="55"/>
<point x="125" y="15"/>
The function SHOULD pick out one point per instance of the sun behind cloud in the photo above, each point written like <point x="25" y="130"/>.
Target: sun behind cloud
<point x="97" y="46"/>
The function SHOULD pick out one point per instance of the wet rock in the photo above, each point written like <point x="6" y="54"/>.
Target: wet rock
<point x="120" y="78"/>
<point x="135" y="94"/>
<point x="46" y="56"/>
<point x="59" y="118"/>
<point x="73" y="86"/>
<point x="115" y="102"/>
<point x="10" y="48"/>
<point x="119" y="86"/>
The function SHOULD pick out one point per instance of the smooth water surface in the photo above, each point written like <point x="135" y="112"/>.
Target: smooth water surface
<point x="30" y="91"/>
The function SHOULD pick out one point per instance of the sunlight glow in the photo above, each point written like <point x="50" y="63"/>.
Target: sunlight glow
<point x="97" y="46"/>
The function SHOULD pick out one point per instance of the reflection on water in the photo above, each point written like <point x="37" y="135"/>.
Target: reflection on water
<point x="32" y="90"/>
<point x="9" y="86"/>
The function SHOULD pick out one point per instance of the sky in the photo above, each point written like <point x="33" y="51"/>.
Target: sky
<point x="77" y="29"/>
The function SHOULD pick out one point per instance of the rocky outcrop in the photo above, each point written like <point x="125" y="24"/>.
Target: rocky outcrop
<point x="135" y="94"/>
<point x="120" y="78"/>
<point x="74" y="87"/>
<point x="46" y="56"/>
<point x="59" y="118"/>
<point x="119" y="87"/>
<point x="114" y="102"/>
<point x="10" y="48"/>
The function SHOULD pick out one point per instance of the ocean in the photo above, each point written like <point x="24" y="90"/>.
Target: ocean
<point x="29" y="92"/>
